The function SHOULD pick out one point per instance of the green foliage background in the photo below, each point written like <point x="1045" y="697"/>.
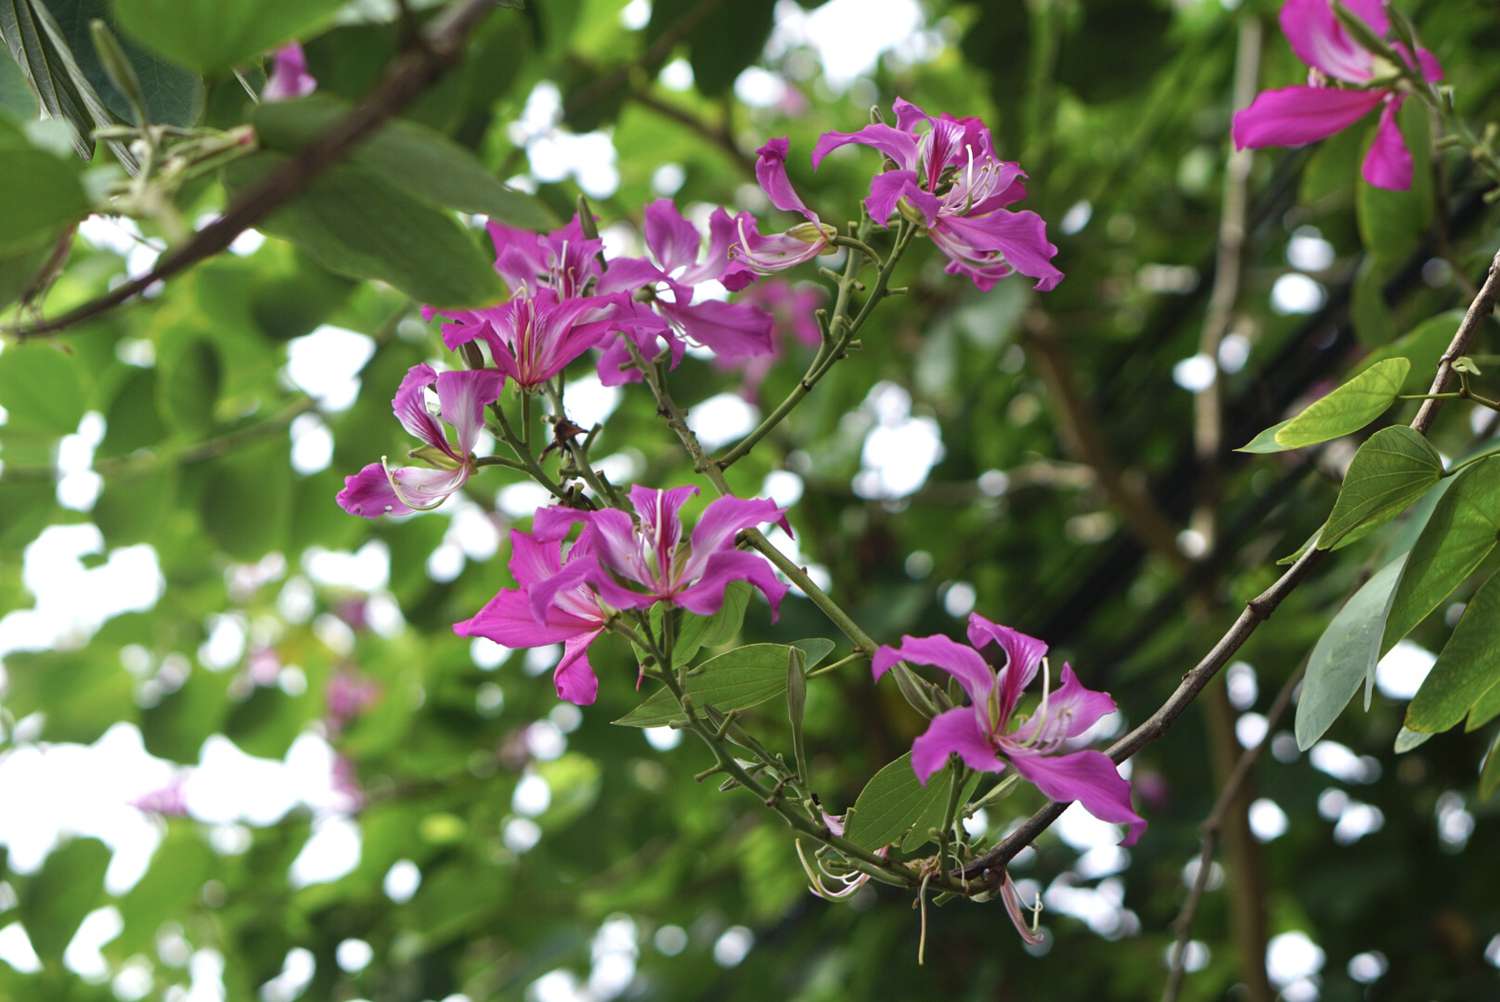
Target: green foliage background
<point x="1119" y="111"/>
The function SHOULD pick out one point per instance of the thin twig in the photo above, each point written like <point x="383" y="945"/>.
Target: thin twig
<point x="411" y="73"/>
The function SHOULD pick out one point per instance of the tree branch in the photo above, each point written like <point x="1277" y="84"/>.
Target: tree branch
<point x="1256" y="611"/>
<point x="410" y="74"/>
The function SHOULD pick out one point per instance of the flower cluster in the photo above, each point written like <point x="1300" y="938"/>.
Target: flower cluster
<point x="1346" y="81"/>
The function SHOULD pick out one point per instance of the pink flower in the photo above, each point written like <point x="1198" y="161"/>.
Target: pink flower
<point x="565" y="261"/>
<point x="571" y="616"/>
<point x="946" y="175"/>
<point x="753" y="254"/>
<point x="462" y="396"/>
<point x="289" y="78"/>
<point x="534" y="336"/>
<point x="633" y="564"/>
<point x="1293" y="116"/>
<point x="981" y="734"/>
<point x="676" y="267"/>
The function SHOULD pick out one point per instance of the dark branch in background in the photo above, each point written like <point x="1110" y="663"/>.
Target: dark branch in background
<point x="719" y="135"/>
<point x="1257" y="611"/>
<point x="411" y="73"/>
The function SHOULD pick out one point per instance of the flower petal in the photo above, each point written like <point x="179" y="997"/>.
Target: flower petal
<point x="963" y="663"/>
<point x="887" y="189"/>
<point x="462" y="397"/>
<point x="410" y="407"/>
<point x="508" y="620"/>
<point x="1320" y="40"/>
<point x="368" y="494"/>
<point x="732" y="330"/>
<point x="534" y="558"/>
<point x="770" y="171"/>
<point x="574" y="677"/>
<point x="899" y="146"/>
<point x="423" y="488"/>
<point x="953" y="732"/>
<point x="706" y="595"/>
<point x="1388" y="164"/>
<point x="1071" y="709"/>
<point x="672" y="239"/>
<point x="1023" y="656"/>
<point x="1293" y="116"/>
<point x="1088" y="777"/>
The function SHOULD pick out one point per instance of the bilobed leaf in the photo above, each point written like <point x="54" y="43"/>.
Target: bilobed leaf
<point x="1468" y="667"/>
<point x="54" y="901"/>
<point x="174" y="96"/>
<point x="1458" y="536"/>
<point x="1345" y="653"/>
<point x="420" y="161"/>
<point x="356" y="223"/>
<point x="735" y="680"/>
<point x="1348" y="408"/>
<point x="893" y="803"/>
<point x="698" y="632"/>
<point x="40" y="389"/>
<point x="1422" y="346"/>
<point x="214" y="36"/>
<point x="1392" y="469"/>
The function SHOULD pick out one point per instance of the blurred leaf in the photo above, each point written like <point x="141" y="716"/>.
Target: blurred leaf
<point x="133" y="504"/>
<point x="176" y="727"/>
<point x="1423" y="346"/>
<point x="40" y="196"/>
<point x="214" y="36"/>
<point x="1344" y="655"/>
<point x="1393" y="468"/>
<point x="179" y="868"/>
<point x="573" y="780"/>
<point x="1489" y="779"/>
<point x="1367" y="305"/>
<point x="132" y="421"/>
<point x="1392" y="224"/>
<point x="735" y="680"/>
<point x="1460" y="534"/>
<point x="1485" y="709"/>
<point x="1348" y="408"/>
<point x="1409" y="740"/>
<point x="40" y="389"/>
<point x="268" y="721"/>
<point x="188" y="380"/>
<point x="246" y="504"/>
<point x="54" y="901"/>
<point x="420" y="250"/>
<point x="418" y="160"/>
<point x="80" y="695"/>
<point x="1468" y="667"/>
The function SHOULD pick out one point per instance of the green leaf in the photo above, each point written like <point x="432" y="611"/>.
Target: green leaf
<point x="39" y="46"/>
<point x="134" y="503"/>
<point x="1489" y="779"/>
<point x="419" y="160"/>
<point x="1485" y="709"/>
<point x="214" y="36"/>
<point x="40" y="389"/>
<point x="1367" y="307"/>
<point x="69" y="886"/>
<point x="1345" y="653"/>
<point x="355" y="223"/>
<point x="698" y="632"/>
<point x="1265" y="442"/>
<point x="893" y="803"/>
<point x="1390" y="471"/>
<point x="1408" y="739"/>
<point x="188" y="380"/>
<point x="41" y="193"/>
<point x="1460" y="534"/>
<point x="1422" y="346"/>
<point x="174" y="96"/>
<point x="1468" y="667"/>
<point x="735" y="680"/>
<point x="1348" y="408"/>
<point x="246" y="504"/>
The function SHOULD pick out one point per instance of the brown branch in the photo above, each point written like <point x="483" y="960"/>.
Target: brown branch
<point x="410" y="74"/>
<point x="1257" y="611"/>
<point x="719" y="135"/>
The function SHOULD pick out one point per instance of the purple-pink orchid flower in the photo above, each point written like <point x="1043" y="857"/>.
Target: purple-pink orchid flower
<point x="533" y="337"/>
<point x="572" y="615"/>
<point x="462" y="396"/>
<point x="1293" y="116"/>
<point x="946" y="175"/>
<point x="982" y="735"/>
<point x="565" y="260"/>
<point x="635" y="563"/>
<point x="289" y="78"/>
<point x="677" y="266"/>
<point x="753" y="254"/>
